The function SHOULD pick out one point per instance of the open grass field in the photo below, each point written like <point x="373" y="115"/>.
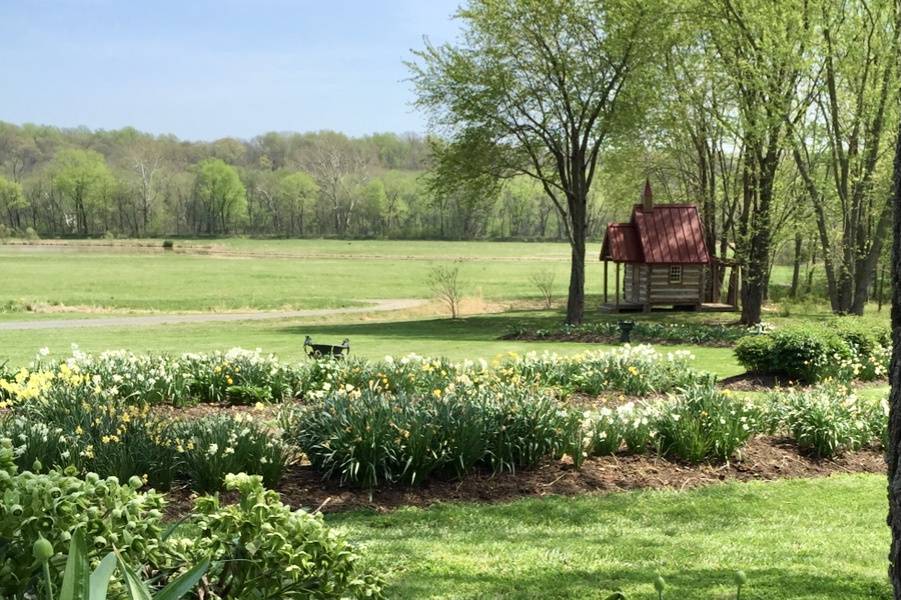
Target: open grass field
<point x="269" y="274"/>
<point x="797" y="539"/>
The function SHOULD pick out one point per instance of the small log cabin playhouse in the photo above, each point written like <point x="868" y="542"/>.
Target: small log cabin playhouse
<point x="663" y="254"/>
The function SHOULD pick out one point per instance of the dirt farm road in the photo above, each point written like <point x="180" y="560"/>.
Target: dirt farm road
<point x="174" y="319"/>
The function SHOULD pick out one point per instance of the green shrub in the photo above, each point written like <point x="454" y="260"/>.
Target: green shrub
<point x="214" y="446"/>
<point x="827" y="420"/>
<point x="262" y="549"/>
<point x="803" y="353"/>
<point x="870" y="347"/>
<point x="701" y="423"/>
<point x="755" y="353"/>
<point x="846" y="349"/>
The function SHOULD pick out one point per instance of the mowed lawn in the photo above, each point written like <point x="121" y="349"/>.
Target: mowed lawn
<point x="795" y="539"/>
<point x="473" y="338"/>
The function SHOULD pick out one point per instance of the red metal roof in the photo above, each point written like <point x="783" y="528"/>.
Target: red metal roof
<point x="667" y="234"/>
<point x="621" y="243"/>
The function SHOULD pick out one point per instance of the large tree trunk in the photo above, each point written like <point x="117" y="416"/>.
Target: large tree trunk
<point x="575" y="304"/>
<point x="866" y="266"/>
<point x="796" y="267"/>
<point x="753" y="289"/>
<point x="893" y="452"/>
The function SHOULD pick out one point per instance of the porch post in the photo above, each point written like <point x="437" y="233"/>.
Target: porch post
<point x="702" y="292"/>
<point x="605" y="281"/>
<point x="617" y="285"/>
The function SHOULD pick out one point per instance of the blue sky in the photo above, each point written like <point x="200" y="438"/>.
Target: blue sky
<point x="207" y="69"/>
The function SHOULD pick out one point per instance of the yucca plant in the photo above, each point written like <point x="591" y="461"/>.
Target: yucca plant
<point x="80" y="583"/>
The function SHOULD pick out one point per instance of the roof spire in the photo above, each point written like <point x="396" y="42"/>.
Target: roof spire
<point x="647" y="198"/>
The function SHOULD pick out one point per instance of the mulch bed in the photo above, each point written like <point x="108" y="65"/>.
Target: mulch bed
<point x="763" y="458"/>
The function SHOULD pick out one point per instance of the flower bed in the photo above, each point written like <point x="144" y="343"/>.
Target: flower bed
<point x="403" y="420"/>
<point x="644" y="331"/>
<point x="238" y="376"/>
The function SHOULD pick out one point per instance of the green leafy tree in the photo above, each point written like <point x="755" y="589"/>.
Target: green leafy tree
<point x="296" y="192"/>
<point x="839" y="144"/>
<point x="762" y="49"/>
<point x="12" y="200"/>
<point x="221" y="196"/>
<point x="537" y="88"/>
<point x="83" y="177"/>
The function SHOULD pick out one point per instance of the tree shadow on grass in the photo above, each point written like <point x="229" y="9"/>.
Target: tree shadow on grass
<point x="478" y="328"/>
<point x="559" y="581"/>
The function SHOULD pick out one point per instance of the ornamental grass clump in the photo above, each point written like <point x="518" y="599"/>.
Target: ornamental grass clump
<point x="210" y="448"/>
<point x="604" y="431"/>
<point x="237" y="376"/>
<point x="240" y="376"/>
<point x="701" y="423"/>
<point x="369" y="437"/>
<point x="629" y="424"/>
<point x="828" y="420"/>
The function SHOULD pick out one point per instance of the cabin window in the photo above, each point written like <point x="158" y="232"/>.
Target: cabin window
<point x="675" y="274"/>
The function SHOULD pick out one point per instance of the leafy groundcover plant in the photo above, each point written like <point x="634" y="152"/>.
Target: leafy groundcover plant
<point x="256" y="548"/>
<point x="262" y="549"/>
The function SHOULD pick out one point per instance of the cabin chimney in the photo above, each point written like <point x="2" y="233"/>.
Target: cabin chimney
<point x="647" y="198"/>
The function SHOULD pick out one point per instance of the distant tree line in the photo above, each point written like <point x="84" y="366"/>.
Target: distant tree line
<point x="78" y="182"/>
